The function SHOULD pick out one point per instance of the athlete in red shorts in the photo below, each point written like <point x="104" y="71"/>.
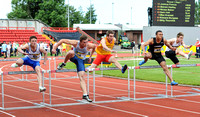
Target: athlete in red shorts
<point x="104" y="52"/>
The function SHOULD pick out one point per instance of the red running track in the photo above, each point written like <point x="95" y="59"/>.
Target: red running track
<point x="25" y="93"/>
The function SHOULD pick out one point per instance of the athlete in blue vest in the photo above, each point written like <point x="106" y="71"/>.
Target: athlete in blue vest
<point x="77" y="56"/>
<point x="32" y="58"/>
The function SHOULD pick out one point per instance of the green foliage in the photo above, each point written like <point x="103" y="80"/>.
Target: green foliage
<point x="52" y="12"/>
<point x="197" y="13"/>
<point x="183" y="75"/>
<point x="93" y="16"/>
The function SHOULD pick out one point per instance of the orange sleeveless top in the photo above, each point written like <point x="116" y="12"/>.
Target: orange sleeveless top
<point x="100" y="49"/>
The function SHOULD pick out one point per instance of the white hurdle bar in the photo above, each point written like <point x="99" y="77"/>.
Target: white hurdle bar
<point x="166" y="83"/>
<point x="83" y="102"/>
<point x="22" y="67"/>
<point x="36" y="105"/>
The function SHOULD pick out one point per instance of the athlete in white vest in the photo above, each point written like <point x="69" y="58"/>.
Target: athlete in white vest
<point x="77" y="56"/>
<point x="32" y="58"/>
<point x="176" y="42"/>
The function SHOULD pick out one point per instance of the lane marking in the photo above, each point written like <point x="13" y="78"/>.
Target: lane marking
<point x="120" y="110"/>
<point x="7" y="113"/>
<point x="171" y="108"/>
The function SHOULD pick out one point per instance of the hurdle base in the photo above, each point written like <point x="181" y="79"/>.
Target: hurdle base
<point x="161" y="95"/>
<point x="83" y="101"/>
<point x="123" y="98"/>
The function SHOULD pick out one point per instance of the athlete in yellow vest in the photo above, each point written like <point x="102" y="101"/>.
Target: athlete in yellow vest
<point x="104" y="50"/>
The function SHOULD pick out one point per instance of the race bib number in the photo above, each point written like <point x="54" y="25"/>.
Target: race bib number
<point x="157" y="50"/>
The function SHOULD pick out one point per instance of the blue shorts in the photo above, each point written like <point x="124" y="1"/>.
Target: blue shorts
<point x="29" y="62"/>
<point x="79" y="63"/>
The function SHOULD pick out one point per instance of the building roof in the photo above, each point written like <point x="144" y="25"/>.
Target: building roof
<point x="96" y="27"/>
<point x="131" y="27"/>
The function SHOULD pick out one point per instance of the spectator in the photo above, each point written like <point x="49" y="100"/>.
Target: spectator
<point x="64" y="46"/>
<point x="15" y="48"/>
<point x="8" y="49"/>
<point x="4" y="49"/>
<point x="22" y="46"/>
<point x="0" y="48"/>
<point x="197" y="44"/>
<point x="51" y="47"/>
<point x="132" y="46"/>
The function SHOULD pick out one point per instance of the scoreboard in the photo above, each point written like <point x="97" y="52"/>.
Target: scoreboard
<point x="173" y="12"/>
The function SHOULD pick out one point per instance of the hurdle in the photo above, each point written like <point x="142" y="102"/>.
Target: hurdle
<point x="80" y="102"/>
<point x="22" y="68"/>
<point x="35" y="105"/>
<point x="159" y="96"/>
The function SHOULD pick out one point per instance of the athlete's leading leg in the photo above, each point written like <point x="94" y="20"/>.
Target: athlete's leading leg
<point x="18" y="63"/>
<point x="112" y="59"/>
<point x="69" y="55"/>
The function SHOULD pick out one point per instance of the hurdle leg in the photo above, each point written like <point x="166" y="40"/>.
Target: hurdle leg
<point x="26" y="74"/>
<point x="134" y="88"/>
<point x="166" y="94"/>
<point x="22" y="70"/>
<point x="88" y="82"/>
<point x="43" y="86"/>
<point x="49" y="87"/>
<point x="128" y="83"/>
<point x="2" y="90"/>
<point x="171" y="85"/>
<point x="93" y="85"/>
<point x="54" y="67"/>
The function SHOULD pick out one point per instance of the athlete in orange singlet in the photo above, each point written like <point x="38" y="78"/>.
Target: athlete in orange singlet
<point x="104" y="50"/>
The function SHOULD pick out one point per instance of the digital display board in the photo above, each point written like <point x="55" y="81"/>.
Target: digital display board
<point x="173" y="12"/>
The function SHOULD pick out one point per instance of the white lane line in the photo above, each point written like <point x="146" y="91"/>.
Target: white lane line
<point x="186" y="100"/>
<point x="120" y="110"/>
<point x="4" y="66"/>
<point x="92" y="104"/>
<point x="7" y="113"/>
<point x="45" y="107"/>
<point x="171" y="108"/>
<point x="70" y="99"/>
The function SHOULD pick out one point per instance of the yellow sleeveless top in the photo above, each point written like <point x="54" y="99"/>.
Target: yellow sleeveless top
<point x="100" y="49"/>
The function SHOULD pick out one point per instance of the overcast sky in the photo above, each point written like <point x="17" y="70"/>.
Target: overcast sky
<point x="107" y="11"/>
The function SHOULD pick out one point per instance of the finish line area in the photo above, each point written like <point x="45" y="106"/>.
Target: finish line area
<point x="21" y="92"/>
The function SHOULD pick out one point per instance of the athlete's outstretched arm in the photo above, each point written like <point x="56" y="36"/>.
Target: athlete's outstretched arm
<point x="150" y="41"/>
<point x="66" y="41"/>
<point x="185" y="46"/>
<point x="19" y="49"/>
<point x="169" y="45"/>
<point x="103" y="42"/>
<point x="93" y="47"/>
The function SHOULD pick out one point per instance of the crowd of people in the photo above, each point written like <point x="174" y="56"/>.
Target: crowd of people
<point x="8" y="49"/>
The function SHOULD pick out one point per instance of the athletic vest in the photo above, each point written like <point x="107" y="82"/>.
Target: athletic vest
<point x="100" y="50"/>
<point x="35" y="56"/>
<point x="156" y="47"/>
<point x="80" y="52"/>
<point x="173" y="45"/>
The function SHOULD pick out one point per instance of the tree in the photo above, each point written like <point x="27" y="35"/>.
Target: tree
<point x="75" y="17"/>
<point x="93" y="16"/>
<point x="197" y="13"/>
<point x="51" y="12"/>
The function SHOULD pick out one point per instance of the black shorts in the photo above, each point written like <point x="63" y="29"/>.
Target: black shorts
<point x="172" y="55"/>
<point x="158" y="57"/>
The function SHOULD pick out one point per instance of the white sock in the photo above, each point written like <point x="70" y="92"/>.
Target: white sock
<point x="186" y="56"/>
<point x="84" y="94"/>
